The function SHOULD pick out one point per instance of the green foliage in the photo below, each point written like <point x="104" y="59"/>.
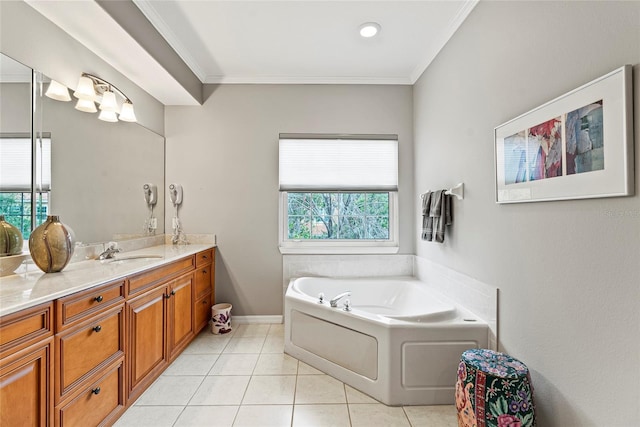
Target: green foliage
<point x="344" y="216"/>
<point x="16" y="208"/>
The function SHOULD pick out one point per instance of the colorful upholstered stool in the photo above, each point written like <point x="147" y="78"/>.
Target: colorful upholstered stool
<point x="493" y="390"/>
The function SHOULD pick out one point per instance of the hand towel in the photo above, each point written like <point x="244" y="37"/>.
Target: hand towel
<point x="441" y="212"/>
<point x="427" y="220"/>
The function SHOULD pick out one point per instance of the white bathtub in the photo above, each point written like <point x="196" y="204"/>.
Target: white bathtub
<point x="400" y="343"/>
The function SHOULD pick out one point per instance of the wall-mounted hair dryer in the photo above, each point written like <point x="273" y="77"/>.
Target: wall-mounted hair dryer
<point x="175" y="194"/>
<point x="150" y="194"/>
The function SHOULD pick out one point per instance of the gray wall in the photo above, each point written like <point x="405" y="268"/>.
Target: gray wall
<point x="225" y="155"/>
<point x="568" y="271"/>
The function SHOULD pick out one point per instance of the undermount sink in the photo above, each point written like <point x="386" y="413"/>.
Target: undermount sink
<point x="132" y="257"/>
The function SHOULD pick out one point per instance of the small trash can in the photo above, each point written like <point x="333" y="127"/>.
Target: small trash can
<point x="221" y="318"/>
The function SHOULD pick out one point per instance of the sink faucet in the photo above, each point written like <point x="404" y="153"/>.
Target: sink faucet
<point x="111" y="250"/>
<point x="334" y="301"/>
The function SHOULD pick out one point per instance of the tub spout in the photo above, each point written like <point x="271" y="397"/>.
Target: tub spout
<point x="334" y="301"/>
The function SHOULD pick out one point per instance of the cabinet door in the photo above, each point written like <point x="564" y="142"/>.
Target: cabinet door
<point x="26" y="387"/>
<point x="147" y="352"/>
<point x="181" y="314"/>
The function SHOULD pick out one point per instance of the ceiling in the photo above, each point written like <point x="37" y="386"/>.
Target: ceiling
<point x="286" y="42"/>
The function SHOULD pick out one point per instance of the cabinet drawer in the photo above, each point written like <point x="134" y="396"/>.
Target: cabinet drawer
<point x="148" y="279"/>
<point x="203" y="312"/>
<point x="74" y="307"/>
<point x="99" y="402"/>
<point x="204" y="257"/>
<point x="83" y="349"/>
<point x="203" y="280"/>
<point x="25" y="327"/>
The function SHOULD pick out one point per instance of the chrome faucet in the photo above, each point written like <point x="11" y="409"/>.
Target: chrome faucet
<point x="109" y="252"/>
<point x="334" y="302"/>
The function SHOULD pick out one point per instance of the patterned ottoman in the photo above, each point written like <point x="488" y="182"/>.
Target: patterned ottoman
<point x="493" y="390"/>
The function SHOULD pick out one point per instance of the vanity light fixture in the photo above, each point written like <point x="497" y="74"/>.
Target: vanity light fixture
<point x="369" y="29"/>
<point x="94" y="89"/>
<point x="58" y="91"/>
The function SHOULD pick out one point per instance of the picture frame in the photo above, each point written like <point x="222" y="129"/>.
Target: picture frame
<point x="577" y="146"/>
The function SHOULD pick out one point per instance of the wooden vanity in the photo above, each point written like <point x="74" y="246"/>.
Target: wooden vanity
<point x="83" y="358"/>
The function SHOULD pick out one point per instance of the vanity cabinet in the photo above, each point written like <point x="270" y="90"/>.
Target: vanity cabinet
<point x="26" y="367"/>
<point x="160" y="321"/>
<point x="82" y="359"/>
<point x="89" y="341"/>
<point x="204" y="290"/>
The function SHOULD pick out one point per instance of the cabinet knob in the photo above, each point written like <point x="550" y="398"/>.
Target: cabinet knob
<point x="204" y="257"/>
<point x="97" y="328"/>
<point x="167" y="296"/>
<point x="205" y="302"/>
<point x="95" y="390"/>
<point x="98" y="298"/>
<point x="173" y="292"/>
<point x="204" y="271"/>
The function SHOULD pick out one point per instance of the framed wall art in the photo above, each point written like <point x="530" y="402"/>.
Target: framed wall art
<point x="579" y="145"/>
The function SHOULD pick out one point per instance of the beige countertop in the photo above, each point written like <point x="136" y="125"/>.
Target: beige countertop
<point x="24" y="290"/>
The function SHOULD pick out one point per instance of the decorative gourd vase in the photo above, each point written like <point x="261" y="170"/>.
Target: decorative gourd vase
<point x="10" y="238"/>
<point x="51" y="245"/>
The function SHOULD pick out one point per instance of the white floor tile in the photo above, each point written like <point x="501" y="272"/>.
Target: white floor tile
<point x="170" y="390"/>
<point x="276" y="364"/>
<point x="319" y="389"/>
<point x="377" y="415"/>
<point x="220" y="390"/>
<point x="273" y="344"/>
<point x="304" y="369"/>
<point x="440" y="416"/>
<point x="207" y="416"/>
<point x="207" y="343"/>
<point x="356" y="396"/>
<point x="252" y="330"/>
<point x="244" y="345"/>
<point x="234" y="364"/>
<point x="321" y="415"/>
<point x="276" y="329"/>
<point x="270" y="390"/>
<point x="191" y="364"/>
<point x="264" y="416"/>
<point x="149" y="416"/>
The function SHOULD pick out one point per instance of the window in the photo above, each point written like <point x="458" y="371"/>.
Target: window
<point x="338" y="195"/>
<point x="22" y="202"/>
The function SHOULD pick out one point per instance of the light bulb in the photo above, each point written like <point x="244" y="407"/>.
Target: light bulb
<point x="108" y="116"/>
<point x="86" y="105"/>
<point x="126" y="113"/>
<point x="58" y="91"/>
<point x="108" y="102"/>
<point x="85" y="89"/>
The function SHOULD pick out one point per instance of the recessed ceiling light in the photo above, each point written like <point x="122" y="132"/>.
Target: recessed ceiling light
<point x="369" y="29"/>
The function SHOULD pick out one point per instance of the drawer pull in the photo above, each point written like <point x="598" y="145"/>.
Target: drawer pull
<point x="95" y="390"/>
<point x="97" y="328"/>
<point x="99" y="298"/>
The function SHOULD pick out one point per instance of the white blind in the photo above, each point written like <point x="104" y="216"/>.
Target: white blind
<point x="338" y="165"/>
<point x="15" y="164"/>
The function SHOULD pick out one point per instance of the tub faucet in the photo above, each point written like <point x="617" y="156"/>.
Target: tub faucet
<point x="334" y="302"/>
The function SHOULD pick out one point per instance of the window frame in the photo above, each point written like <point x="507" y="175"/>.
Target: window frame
<point x="337" y="246"/>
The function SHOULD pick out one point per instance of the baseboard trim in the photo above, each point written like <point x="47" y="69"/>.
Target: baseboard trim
<point x="256" y="319"/>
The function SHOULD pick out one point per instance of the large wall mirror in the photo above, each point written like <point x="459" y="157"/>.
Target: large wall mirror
<point x="89" y="172"/>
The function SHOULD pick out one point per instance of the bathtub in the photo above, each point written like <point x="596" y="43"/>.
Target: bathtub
<point x="400" y="343"/>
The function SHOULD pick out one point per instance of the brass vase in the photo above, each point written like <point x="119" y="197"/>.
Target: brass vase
<point x="51" y="245"/>
<point x="10" y="238"/>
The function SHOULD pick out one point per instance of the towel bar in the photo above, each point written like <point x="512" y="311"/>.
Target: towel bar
<point x="457" y="191"/>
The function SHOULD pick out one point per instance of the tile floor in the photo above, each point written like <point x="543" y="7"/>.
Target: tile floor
<point x="245" y="379"/>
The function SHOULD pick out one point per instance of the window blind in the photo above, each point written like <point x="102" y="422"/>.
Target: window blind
<point x="338" y="165"/>
<point x="15" y="164"/>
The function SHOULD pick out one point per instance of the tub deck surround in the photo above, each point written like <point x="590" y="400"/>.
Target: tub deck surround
<point x="20" y="291"/>
<point x="400" y="343"/>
